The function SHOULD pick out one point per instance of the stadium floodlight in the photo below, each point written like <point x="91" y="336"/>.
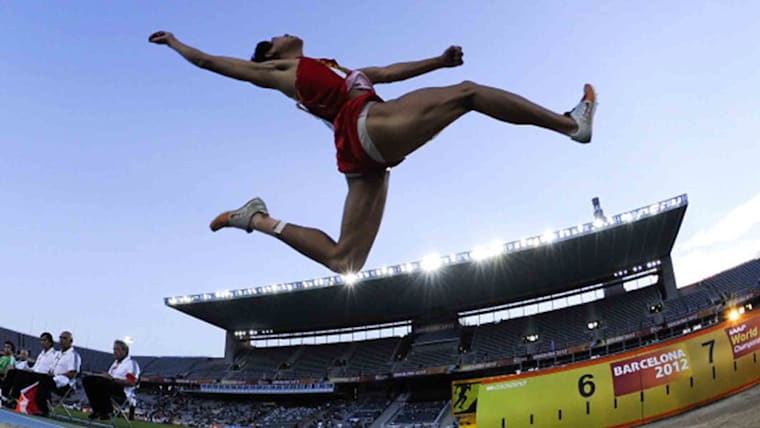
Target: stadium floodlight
<point x="431" y="263"/>
<point x="599" y="223"/>
<point x="654" y="208"/>
<point x="172" y="301"/>
<point x="493" y="249"/>
<point x="129" y="340"/>
<point x="350" y="278"/>
<point x="748" y="306"/>
<point x="223" y="294"/>
<point x="626" y="217"/>
<point x="531" y="338"/>
<point x="733" y="314"/>
<point x="548" y="237"/>
<point x="479" y="253"/>
<point x="592" y="325"/>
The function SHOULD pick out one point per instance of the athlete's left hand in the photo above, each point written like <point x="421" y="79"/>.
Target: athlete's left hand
<point x="452" y="56"/>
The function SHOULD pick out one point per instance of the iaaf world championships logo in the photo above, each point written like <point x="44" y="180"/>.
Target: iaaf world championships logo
<point x="744" y="338"/>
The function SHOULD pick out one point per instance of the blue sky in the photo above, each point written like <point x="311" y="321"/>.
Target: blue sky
<point x="116" y="154"/>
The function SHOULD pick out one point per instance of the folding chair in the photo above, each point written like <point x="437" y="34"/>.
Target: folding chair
<point x="124" y="409"/>
<point x="59" y="396"/>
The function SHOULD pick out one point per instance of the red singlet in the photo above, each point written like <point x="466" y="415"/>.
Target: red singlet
<point x="324" y="94"/>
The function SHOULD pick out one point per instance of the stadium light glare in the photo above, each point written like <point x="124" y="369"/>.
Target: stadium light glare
<point x="489" y="251"/>
<point x="626" y="217"/>
<point x="593" y="325"/>
<point x="733" y="314"/>
<point x="350" y="279"/>
<point x="599" y="223"/>
<point x="129" y="340"/>
<point x="223" y="294"/>
<point x="431" y="263"/>
<point x="549" y="237"/>
<point x="479" y="253"/>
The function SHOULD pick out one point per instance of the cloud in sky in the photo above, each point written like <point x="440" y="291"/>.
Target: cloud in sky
<point x="729" y="228"/>
<point x="727" y="243"/>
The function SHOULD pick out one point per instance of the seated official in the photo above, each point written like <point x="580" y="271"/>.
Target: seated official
<point x="7" y="363"/>
<point x="63" y="374"/>
<point x="16" y="380"/>
<point x="119" y="383"/>
<point x="7" y="360"/>
<point x="22" y="362"/>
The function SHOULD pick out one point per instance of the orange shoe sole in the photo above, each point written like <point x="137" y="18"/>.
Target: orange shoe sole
<point x="222" y="220"/>
<point x="589" y="94"/>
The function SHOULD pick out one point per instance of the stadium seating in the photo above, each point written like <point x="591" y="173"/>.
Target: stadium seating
<point x="418" y="414"/>
<point x="435" y="355"/>
<point x="315" y="361"/>
<point x="372" y="357"/>
<point x="177" y="367"/>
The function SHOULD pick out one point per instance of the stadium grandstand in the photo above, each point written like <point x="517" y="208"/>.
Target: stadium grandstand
<point x="381" y="347"/>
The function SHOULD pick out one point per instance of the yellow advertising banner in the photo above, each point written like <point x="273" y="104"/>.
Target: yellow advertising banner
<point x="623" y="390"/>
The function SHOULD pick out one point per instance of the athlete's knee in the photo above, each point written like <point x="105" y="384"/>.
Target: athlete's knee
<point x="466" y="91"/>
<point x="347" y="262"/>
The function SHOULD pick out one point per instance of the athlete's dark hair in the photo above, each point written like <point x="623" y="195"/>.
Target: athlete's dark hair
<point x="47" y="336"/>
<point x="259" y="55"/>
<point x="13" y="347"/>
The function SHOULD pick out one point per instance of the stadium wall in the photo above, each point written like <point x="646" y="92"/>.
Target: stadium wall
<point x="624" y="390"/>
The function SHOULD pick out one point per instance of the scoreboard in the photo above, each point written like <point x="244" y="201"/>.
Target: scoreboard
<point x="623" y="390"/>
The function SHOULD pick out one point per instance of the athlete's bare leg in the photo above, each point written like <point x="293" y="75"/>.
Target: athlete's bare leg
<point x="401" y="126"/>
<point x="362" y="214"/>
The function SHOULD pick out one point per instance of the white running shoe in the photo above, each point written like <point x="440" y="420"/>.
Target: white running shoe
<point x="583" y="115"/>
<point x="241" y="217"/>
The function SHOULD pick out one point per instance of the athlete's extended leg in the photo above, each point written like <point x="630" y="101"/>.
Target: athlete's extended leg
<point x="401" y="126"/>
<point x="362" y="214"/>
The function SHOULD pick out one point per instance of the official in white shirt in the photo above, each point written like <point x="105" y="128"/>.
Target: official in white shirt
<point x="21" y="378"/>
<point x="22" y="362"/>
<point x="63" y="374"/>
<point x="118" y="383"/>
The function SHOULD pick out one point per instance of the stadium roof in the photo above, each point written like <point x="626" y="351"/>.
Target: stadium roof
<point x="499" y="274"/>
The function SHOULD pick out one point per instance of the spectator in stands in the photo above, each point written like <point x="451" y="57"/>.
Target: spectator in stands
<point x="18" y="379"/>
<point x="118" y="383"/>
<point x="63" y="374"/>
<point x="22" y="362"/>
<point x="7" y="361"/>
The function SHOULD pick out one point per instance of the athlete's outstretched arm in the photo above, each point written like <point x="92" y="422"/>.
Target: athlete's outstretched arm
<point x="260" y="74"/>
<point x="451" y="57"/>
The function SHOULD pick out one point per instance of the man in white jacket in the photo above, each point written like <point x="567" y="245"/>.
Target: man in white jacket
<point x="118" y="383"/>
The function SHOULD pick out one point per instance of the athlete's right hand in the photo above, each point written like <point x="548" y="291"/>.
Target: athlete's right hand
<point x="161" y="37"/>
<point x="452" y="57"/>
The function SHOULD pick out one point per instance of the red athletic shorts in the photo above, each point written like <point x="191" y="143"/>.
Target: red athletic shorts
<point x="352" y="159"/>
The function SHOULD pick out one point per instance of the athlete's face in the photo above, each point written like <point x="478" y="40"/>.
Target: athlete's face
<point x="285" y="44"/>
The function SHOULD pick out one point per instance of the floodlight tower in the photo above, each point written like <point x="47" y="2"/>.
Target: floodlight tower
<point x="598" y="212"/>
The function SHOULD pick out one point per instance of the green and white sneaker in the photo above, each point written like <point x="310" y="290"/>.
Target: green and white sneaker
<point x="241" y="217"/>
<point x="583" y="115"/>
